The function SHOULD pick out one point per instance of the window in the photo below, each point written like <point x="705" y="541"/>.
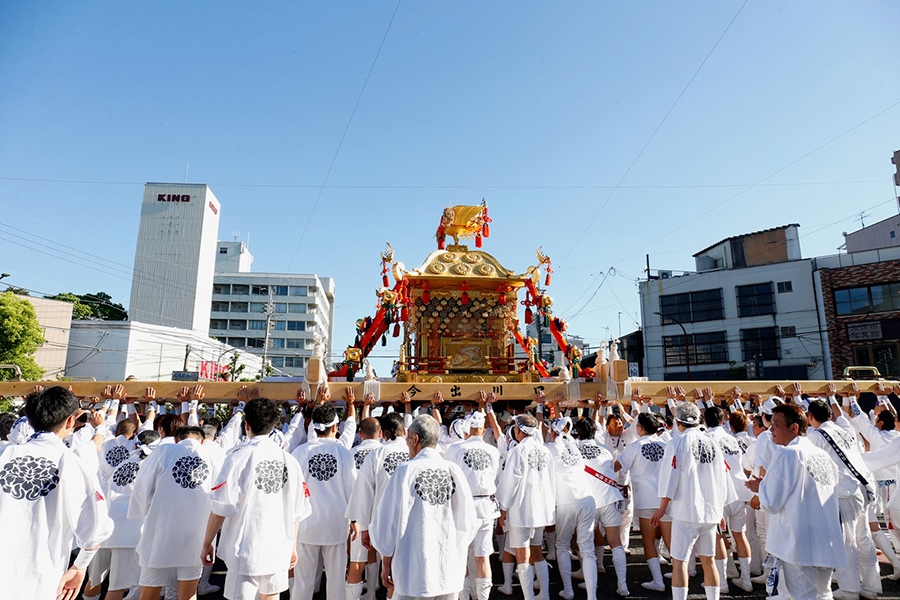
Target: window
<point x="279" y="290"/>
<point x="278" y="342"/>
<point x="862" y="300"/>
<point x="259" y="290"/>
<point x="788" y="332"/>
<point x="280" y="307"/>
<point x="221" y="339"/>
<point x="785" y="286"/>
<point x="759" y="344"/>
<point x="240" y="290"/>
<point x="704" y="305"/>
<point x="256" y="343"/>
<point x="221" y="288"/>
<point x="546" y="339"/>
<point x="237" y="325"/>
<point x="218" y="324"/>
<point x="296" y="325"/>
<point x="295" y="362"/>
<point x="237" y="342"/>
<point x="298" y="290"/>
<point x="223" y="250"/>
<point x="256" y="325"/>
<point x="296" y="343"/>
<point x="755" y="299"/>
<point x="296" y="308"/>
<point x="257" y="307"/>
<point x="219" y="306"/>
<point x="240" y="307"/>
<point x="705" y="348"/>
<point x="893" y="234"/>
<point x="280" y="325"/>
<point x="277" y="361"/>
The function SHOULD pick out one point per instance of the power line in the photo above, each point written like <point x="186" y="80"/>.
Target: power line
<point x="653" y="135"/>
<point x="344" y="135"/>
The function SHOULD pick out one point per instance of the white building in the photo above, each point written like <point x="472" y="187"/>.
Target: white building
<point x="751" y="303"/>
<point x="114" y="350"/>
<point x="883" y="234"/>
<point x="175" y="257"/>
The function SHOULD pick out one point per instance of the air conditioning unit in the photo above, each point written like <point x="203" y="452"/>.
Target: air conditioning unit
<point x="665" y="274"/>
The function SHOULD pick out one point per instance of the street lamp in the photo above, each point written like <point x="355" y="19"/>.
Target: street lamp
<point x="687" y="350"/>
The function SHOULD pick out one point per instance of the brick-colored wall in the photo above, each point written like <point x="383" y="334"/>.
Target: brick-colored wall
<point x="846" y="277"/>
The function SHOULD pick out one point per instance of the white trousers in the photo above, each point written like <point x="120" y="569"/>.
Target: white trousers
<point x="334" y="559"/>
<point x="862" y="560"/>
<point x="805" y="583"/>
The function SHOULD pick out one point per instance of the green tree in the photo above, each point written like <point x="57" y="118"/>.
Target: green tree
<point x="18" y="291"/>
<point x="80" y="311"/>
<point x="93" y="306"/>
<point x="234" y="369"/>
<point x="20" y="337"/>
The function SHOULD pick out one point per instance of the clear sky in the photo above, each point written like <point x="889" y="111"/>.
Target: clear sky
<point x="541" y="108"/>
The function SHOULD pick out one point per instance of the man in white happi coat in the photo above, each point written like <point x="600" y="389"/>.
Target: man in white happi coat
<point x="480" y="463"/>
<point x="526" y="493"/>
<point x="360" y="556"/>
<point x="799" y="494"/>
<point x="373" y="477"/>
<point x="258" y="500"/>
<point x="425" y="522"/>
<point x="862" y="559"/>
<point x="574" y="509"/>
<point x="693" y="489"/>
<point x="50" y="502"/>
<point x="330" y="473"/>
<point x="171" y="494"/>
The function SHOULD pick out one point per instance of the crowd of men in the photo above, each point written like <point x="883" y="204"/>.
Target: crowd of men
<point x="119" y="494"/>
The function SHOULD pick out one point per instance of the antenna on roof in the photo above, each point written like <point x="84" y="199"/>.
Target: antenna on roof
<point x="862" y="218"/>
<point x="187" y="164"/>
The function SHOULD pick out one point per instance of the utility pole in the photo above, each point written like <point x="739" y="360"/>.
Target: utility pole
<point x="620" y="324"/>
<point x="270" y="312"/>
<point x="187" y="353"/>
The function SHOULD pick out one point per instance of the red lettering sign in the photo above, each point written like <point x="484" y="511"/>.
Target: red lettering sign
<point x="212" y="206"/>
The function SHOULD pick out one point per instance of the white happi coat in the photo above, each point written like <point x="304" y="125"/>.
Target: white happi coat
<point x="877" y="439"/>
<point x="694" y="477"/>
<point x="733" y="455"/>
<point x="480" y="463"/>
<point x="762" y="451"/>
<point x="527" y="486"/>
<point x="113" y="453"/>
<point x="600" y="465"/>
<point x="119" y="485"/>
<point x="643" y="460"/>
<point x="362" y="450"/>
<point x="172" y="494"/>
<point x="572" y="483"/>
<point x="799" y="494"/>
<point x="261" y="493"/>
<point x="373" y="478"/>
<point x="887" y="457"/>
<point x="426" y="522"/>
<point x="329" y="473"/>
<point x="847" y="483"/>
<point x="50" y="502"/>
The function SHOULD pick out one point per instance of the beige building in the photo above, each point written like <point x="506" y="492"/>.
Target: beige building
<point x="55" y="319"/>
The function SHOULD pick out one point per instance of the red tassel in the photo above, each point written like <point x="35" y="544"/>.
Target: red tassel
<point x="486" y="230"/>
<point x="547" y="280"/>
<point x="440" y="244"/>
<point x="529" y="317"/>
<point x="426" y="296"/>
<point x="404" y="313"/>
<point x="502" y="299"/>
<point x="397" y="330"/>
<point x="478" y="241"/>
<point x="465" y="298"/>
<point x="384" y="280"/>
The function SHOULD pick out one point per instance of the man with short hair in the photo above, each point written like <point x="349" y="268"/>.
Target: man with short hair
<point x="526" y="493"/>
<point x="693" y="490"/>
<point x="329" y="473"/>
<point x="50" y="502"/>
<point x="798" y="493"/>
<point x="172" y="494"/>
<point x="425" y="522"/>
<point x="257" y="502"/>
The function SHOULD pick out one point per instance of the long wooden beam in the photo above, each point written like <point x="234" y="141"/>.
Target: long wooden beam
<point x="390" y="391"/>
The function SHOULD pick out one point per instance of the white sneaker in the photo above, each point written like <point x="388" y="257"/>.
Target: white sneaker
<point x="723" y="587"/>
<point x="667" y="575"/>
<point x="760" y="579"/>
<point x="207" y="589"/>
<point x="895" y="575"/>
<point x="844" y="595"/>
<point x="744" y="584"/>
<point x="662" y="560"/>
<point x="622" y="590"/>
<point x="868" y="594"/>
<point x="654" y="586"/>
<point x="570" y="595"/>
<point x="506" y="591"/>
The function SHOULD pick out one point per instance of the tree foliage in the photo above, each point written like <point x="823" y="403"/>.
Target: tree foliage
<point x="20" y="337"/>
<point x="93" y="306"/>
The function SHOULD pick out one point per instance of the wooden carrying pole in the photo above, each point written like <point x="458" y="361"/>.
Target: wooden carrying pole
<point x="452" y="392"/>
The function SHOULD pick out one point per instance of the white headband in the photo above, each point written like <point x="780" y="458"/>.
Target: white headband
<point x="476" y="420"/>
<point x="458" y="428"/>
<point x="527" y="430"/>
<point x="559" y="425"/>
<point x="323" y="426"/>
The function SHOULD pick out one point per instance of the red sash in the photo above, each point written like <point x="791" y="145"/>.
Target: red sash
<point x="601" y="477"/>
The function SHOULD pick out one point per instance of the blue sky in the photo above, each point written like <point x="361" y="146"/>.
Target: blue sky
<point x="538" y="107"/>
